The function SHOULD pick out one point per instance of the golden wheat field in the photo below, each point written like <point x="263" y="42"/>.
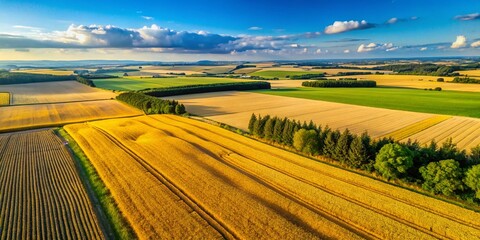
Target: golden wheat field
<point x="55" y="114"/>
<point x="238" y="187"/>
<point x="413" y="81"/>
<point x="218" y="107"/>
<point x="45" y="71"/>
<point x="50" y="92"/>
<point x="408" y="81"/>
<point x="42" y="196"/>
<point x="465" y="132"/>
<point x="378" y="122"/>
<point x="4" y="98"/>
<point x="408" y="131"/>
<point x="470" y="73"/>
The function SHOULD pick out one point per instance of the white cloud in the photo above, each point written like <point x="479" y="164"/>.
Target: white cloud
<point x="147" y="17"/>
<point x="392" y="20"/>
<point x="254" y="28"/>
<point x="345" y="26"/>
<point x="468" y="17"/>
<point x="294" y="45"/>
<point x="424" y="49"/>
<point x="460" y="42"/>
<point x="475" y="44"/>
<point x="346" y="51"/>
<point x="376" y="47"/>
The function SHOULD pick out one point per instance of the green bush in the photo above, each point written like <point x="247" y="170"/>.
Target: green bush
<point x="442" y="177"/>
<point x="393" y="161"/>
<point x="306" y="141"/>
<point x="472" y="179"/>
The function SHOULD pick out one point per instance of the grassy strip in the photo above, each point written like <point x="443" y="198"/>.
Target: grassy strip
<point x="121" y="227"/>
<point x="415" y="100"/>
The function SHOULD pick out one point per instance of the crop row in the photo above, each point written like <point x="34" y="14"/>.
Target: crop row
<point x="42" y="194"/>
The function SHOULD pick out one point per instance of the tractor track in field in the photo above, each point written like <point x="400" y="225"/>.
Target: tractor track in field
<point x="285" y="193"/>
<point x="404" y="221"/>
<point x="207" y="216"/>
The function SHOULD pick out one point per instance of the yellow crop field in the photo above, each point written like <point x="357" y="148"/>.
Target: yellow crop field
<point x="470" y="73"/>
<point x="46" y="71"/>
<point x="249" y="190"/>
<point x="247" y="70"/>
<point x="416" y="127"/>
<point x="413" y="81"/>
<point x="42" y="196"/>
<point x="48" y="92"/>
<point x="465" y="132"/>
<point x="55" y="114"/>
<point x="377" y="122"/>
<point x="4" y="98"/>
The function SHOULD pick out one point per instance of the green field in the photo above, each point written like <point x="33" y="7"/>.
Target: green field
<point x="136" y="83"/>
<point x="280" y="74"/>
<point x="444" y="102"/>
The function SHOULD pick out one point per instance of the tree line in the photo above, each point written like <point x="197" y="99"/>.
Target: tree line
<point x="352" y="73"/>
<point x="151" y="105"/>
<point x="85" y="81"/>
<point x="440" y="169"/>
<point x="465" y="80"/>
<point x="339" y="83"/>
<point x="18" y="77"/>
<point x="307" y="76"/>
<point x="421" y="69"/>
<point x="203" y="88"/>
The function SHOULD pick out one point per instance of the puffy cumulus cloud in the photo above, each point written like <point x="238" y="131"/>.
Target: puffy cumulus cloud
<point x="151" y="37"/>
<point x="345" y="26"/>
<point x="376" y="47"/>
<point x="468" y="17"/>
<point x="475" y="44"/>
<point x="460" y="42"/>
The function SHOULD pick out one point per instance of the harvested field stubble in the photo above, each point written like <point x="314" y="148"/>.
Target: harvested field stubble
<point x="51" y="92"/>
<point x="43" y="115"/>
<point x="235" y="109"/>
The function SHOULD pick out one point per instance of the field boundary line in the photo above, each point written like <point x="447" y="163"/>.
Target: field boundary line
<point x="208" y="217"/>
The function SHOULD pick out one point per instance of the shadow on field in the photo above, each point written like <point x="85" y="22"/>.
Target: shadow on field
<point x="203" y="110"/>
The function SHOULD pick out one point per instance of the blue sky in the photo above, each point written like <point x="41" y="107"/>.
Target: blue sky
<point x="237" y="30"/>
